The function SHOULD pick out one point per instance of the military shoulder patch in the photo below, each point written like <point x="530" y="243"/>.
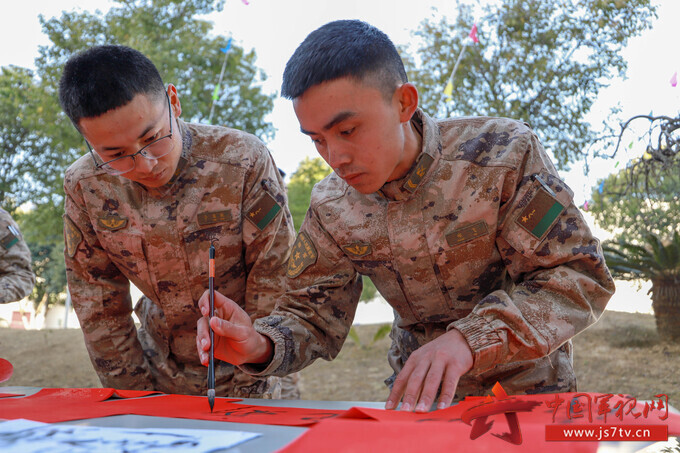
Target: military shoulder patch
<point x="302" y="255"/>
<point x="10" y="239"/>
<point x="540" y="214"/>
<point x="418" y="173"/>
<point x="357" y="249"/>
<point x="72" y="235"/>
<point x="467" y="233"/>
<point x="112" y="222"/>
<point x="263" y="212"/>
<point x="208" y="218"/>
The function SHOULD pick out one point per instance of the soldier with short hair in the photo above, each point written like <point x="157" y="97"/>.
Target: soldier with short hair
<point x="16" y="276"/>
<point x="463" y="225"/>
<point x="144" y="205"/>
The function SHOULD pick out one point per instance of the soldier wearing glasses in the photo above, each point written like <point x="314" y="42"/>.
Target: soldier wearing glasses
<point x="143" y="206"/>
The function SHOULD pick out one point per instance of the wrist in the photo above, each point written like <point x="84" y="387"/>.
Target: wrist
<point x="264" y="350"/>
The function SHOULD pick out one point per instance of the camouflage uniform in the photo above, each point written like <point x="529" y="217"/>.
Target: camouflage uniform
<point x="480" y="235"/>
<point x="16" y="276"/>
<point x="226" y="189"/>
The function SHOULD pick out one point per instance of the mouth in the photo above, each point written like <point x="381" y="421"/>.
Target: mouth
<point x="155" y="178"/>
<point x="351" y="178"/>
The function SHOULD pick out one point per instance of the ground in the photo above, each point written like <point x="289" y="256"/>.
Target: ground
<point x="620" y="354"/>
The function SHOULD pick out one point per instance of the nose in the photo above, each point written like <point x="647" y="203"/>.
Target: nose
<point x="145" y="165"/>
<point x="337" y="155"/>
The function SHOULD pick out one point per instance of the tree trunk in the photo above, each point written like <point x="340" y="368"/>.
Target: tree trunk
<point x="666" y="304"/>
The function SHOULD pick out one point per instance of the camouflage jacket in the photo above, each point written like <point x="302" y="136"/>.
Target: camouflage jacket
<point x="226" y="189"/>
<point x="16" y="276"/>
<point x="480" y="235"/>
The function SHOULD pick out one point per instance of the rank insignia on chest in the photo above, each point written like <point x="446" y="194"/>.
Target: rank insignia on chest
<point x="112" y="222"/>
<point x="263" y="212"/>
<point x="357" y="249"/>
<point x="72" y="236"/>
<point x="302" y="255"/>
<point x="540" y="214"/>
<point x="10" y="239"/>
<point x="467" y="233"/>
<point x="208" y="218"/>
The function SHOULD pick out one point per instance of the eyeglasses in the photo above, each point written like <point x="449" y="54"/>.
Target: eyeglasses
<point x="155" y="150"/>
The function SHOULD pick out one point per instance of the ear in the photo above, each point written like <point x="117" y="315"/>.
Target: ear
<point x="174" y="100"/>
<point x="407" y="96"/>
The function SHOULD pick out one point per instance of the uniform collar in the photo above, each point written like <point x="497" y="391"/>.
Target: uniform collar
<point x="162" y="191"/>
<point x="403" y="188"/>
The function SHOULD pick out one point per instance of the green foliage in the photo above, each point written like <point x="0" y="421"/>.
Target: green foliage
<point x="382" y="332"/>
<point x="38" y="142"/>
<point x="540" y="61"/>
<point x="632" y="206"/>
<point x="656" y="259"/>
<point x="369" y="291"/>
<point x="309" y="172"/>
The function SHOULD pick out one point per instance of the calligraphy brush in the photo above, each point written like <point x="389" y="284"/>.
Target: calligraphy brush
<point x="211" y="366"/>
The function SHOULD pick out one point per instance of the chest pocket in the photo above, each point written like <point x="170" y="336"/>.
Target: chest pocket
<point x="468" y="264"/>
<point x="223" y="229"/>
<point x="126" y="250"/>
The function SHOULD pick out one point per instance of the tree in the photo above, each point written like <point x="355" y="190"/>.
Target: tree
<point x="661" y="156"/>
<point x="632" y="207"/>
<point x="41" y="140"/>
<point x="657" y="260"/>
<point x="309" y="172"/>
<point x="540" y="61"/>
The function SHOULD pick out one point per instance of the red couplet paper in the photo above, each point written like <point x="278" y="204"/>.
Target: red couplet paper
<point x="52" y="405"/>
<point x="225" y="410"/>
<point x="6" y="370"/>
<point x="391" y="436"/>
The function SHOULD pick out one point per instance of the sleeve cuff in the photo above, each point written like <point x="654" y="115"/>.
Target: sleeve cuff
<point x="483" y="340"/>
<point x="267" y="369"/>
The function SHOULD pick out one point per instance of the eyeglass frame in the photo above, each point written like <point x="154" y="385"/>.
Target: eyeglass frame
<point x="169" y="135"/>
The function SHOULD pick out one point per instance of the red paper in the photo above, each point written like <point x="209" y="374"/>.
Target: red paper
<point x="6" y="370"/>
<point x="196" y="407"/>
<point x="389" y="436"/>
<point x="9" y="395"/>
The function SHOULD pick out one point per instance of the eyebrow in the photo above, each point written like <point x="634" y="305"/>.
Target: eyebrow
<point x="144" y="132"/>
<point x="342" y="116"/>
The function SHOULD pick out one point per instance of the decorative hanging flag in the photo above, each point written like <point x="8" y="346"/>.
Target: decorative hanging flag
<point x="674" y="79"/>
<point x="585" y="206"/>
<point x="245" y="2"/>
<point x="448" y="90"/>
<point x="601" y="187"/>
<point x="226" y="49"/>
<point x="216" y="92"/>
<point x="473" y="35"/>
<point x="616" y="164"/>
<point x="630" y="146"/>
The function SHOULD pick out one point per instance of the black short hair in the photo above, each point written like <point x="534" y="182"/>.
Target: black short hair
<point x="103" y="78"/>
<point x="344" y="48"/>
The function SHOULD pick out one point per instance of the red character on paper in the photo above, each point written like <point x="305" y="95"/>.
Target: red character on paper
<point x="502" y="404"/>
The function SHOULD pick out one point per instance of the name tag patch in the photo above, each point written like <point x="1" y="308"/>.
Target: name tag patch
<point x="208" y="218"/>
<point x="467" y="233"/>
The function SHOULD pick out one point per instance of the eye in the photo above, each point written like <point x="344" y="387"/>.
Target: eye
<point x="347" y="132"/>
<point x="318" y="141"/>
<point x="153" y="137"/>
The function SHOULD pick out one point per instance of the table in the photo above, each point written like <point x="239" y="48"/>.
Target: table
<point x="272" y="438"/>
